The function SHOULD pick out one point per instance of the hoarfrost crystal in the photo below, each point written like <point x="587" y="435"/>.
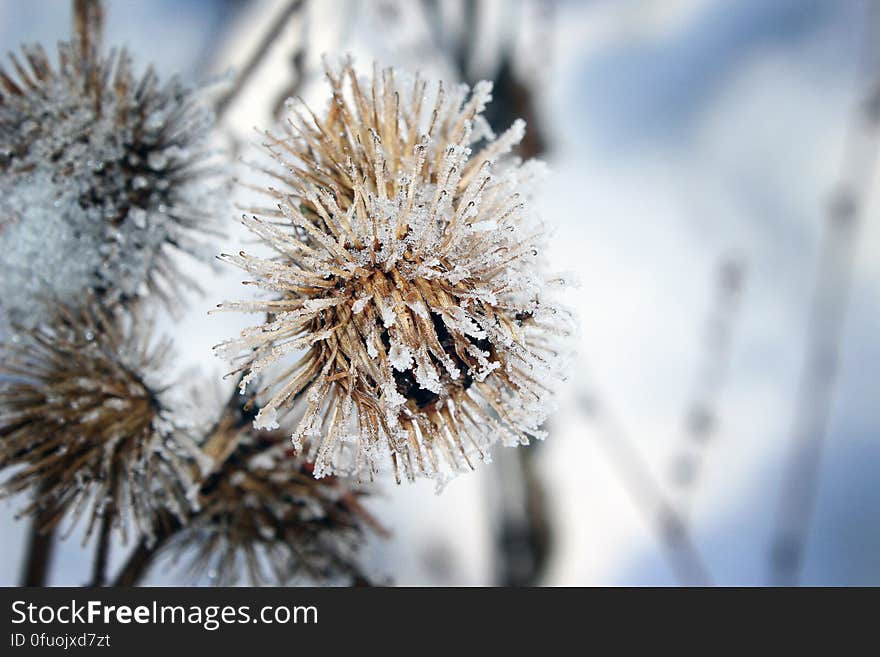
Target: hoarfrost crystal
<point x="410" y="317"/>
<point x="101" y="173"/>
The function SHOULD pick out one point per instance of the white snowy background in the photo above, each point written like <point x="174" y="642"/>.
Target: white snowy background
<point x="682" y="133"/>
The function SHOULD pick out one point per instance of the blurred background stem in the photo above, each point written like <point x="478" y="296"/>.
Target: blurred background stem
<point x="264" y="46"/>
<point x="826" y="320"/>
<point x="670" y="527"/>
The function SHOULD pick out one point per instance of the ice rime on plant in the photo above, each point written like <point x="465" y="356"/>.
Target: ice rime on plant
<point x="101" y="172"/>
<point x="83" y="423"/>
<point x="262" y="513"/>
<point x="409" y="315"/>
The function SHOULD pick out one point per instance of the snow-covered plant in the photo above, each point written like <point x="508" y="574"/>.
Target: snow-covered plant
<point x="102" y="174"/>
<point x="262" y="514"/>
<point x="84" y="425"/>
<point x="409" y="308"/>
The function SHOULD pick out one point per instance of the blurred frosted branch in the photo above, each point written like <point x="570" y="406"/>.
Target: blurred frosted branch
<point x="827" y="316"/>
<point x="524" y="534"/>
<point x="275" y="31"/>
<point x="700" y="422"/>
<point x="298" y="66"/>
<point x="671" y="529"/>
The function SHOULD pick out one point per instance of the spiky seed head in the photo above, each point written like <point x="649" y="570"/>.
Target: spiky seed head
<point x="409" y="305"/>
<point x="83" y="425"/>
<point x="261" y="513"/>
<point x="102" y="174"/>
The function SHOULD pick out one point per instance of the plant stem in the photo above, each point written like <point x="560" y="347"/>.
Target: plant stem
<point x="277" y="27"/>
<point x="671" y="528"/>
<point x="38" y="553"/>
<point x="830" y="301"/>
<point x="524" y="536"/>
<point x="701" y="415"/>
<point x="136" y="566"/>
<point x="143" y="555"/>
<point x="102" y="551"/>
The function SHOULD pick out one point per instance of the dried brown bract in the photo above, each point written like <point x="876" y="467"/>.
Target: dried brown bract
<point x="83" y="424"/>
<point x="409" y="306"/>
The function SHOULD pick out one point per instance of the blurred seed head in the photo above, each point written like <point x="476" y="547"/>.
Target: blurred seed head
<point x="409" y="305"/>
<point x="83" y="425"/>
<point x="263" y="515"/>
<point x="102" y="176"/>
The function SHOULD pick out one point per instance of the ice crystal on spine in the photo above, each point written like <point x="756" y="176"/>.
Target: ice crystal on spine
<point x="101" y="172"/>
<point x="408" y="287"/>
<point x="82" y="417"/>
